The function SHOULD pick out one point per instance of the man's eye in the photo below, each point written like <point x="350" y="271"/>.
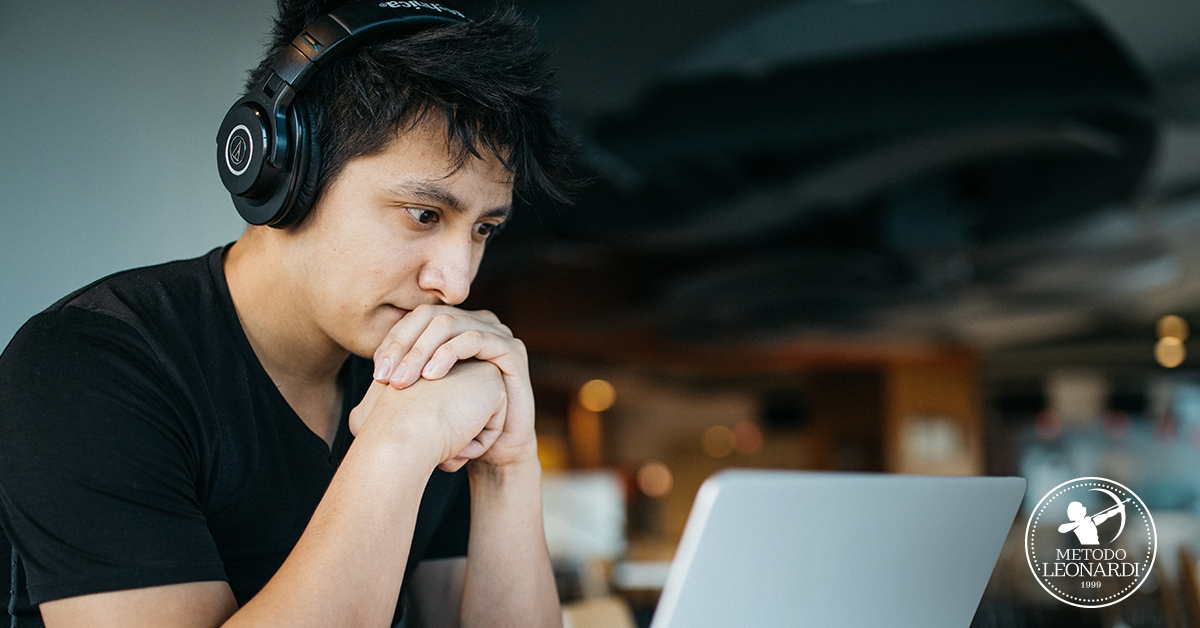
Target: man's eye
<point x="423" y="216"/>
<point x="490" y="229"/>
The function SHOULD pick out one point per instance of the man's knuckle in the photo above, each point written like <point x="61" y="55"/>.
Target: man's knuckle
<point x="426" y="310"/>
<point x="442" y="321"/>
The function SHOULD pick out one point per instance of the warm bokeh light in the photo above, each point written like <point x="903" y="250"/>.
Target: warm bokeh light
<point x="654" y="479"/>
<point x="718" y="441"/>
<point x="1172" y="326"/>
<point x="552" y="452"/>
<point x="1170" y="352"/>
<point x="597" y="395"/>
<point x="748" y="437"/>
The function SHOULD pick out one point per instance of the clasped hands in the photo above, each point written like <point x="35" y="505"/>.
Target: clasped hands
<point x="468" y="380"/>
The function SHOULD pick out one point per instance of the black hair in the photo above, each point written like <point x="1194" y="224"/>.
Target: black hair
<point x="488" y="80"/>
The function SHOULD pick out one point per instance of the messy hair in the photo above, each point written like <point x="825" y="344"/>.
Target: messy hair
<point x="488" y="82"/>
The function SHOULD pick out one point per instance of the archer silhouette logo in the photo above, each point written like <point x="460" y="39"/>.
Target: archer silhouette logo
<point x="1079" y="545"/>
<point x="1085" y="527"/>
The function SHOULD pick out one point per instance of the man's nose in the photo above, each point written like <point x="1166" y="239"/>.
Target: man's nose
<point x="448" y="272"/>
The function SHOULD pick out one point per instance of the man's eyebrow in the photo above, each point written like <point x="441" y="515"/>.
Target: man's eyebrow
<point x="439" y="195"/>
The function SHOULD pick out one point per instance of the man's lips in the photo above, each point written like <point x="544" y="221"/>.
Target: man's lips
<point x="412" y="306"/>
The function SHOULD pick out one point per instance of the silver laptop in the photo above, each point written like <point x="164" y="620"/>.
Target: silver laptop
<point x="789" y="548"/>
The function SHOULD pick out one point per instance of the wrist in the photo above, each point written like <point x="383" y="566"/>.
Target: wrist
<point x="407" y="438"/>
<point x="486" y="474"/>
<point x="507" y="499"/>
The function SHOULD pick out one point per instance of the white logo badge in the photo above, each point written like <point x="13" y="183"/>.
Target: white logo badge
<point x="1090" y="542"/>
<point x="238" y="147"/>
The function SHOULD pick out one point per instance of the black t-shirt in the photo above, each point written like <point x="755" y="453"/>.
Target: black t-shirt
<point x="142" y="443"/>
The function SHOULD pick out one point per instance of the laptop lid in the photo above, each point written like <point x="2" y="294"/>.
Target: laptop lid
<point x="790" y="548"/>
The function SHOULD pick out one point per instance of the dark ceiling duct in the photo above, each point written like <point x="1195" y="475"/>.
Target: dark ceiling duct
<point x="821" y="162"/>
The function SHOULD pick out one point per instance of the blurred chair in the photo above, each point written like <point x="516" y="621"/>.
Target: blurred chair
<point x="584" y="515"/>
<point x="1189" y="585"/>
<point x="584" y="518"/>
<point x="604" y="612"/>
<point x="1172" y="610"/>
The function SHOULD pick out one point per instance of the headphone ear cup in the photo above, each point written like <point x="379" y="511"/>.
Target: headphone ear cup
<point x="242" y="162"/>
<point x="274" y="191"/>
<point x="305" y="171"/>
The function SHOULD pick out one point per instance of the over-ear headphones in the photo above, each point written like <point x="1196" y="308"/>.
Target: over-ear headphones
<point x="267" y="157"/>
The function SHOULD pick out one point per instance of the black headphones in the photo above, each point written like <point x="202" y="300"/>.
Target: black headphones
<point x="267" y="159"/>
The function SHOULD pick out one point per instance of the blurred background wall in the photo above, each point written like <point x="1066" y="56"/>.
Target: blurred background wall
<point x="108" y="127"/>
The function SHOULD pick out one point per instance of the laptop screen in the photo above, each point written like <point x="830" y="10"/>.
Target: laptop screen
<point x="789" y="548"/>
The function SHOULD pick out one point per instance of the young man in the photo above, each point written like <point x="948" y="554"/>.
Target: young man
<point x="282" y="432"/>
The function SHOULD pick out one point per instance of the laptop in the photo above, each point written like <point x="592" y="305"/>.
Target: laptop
<point x="790" y="548"/>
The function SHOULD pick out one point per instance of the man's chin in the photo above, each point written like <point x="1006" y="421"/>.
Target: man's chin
<point x="360" y="352"/>
<point x="366" y="344"/>
<point x="380" y="326"/>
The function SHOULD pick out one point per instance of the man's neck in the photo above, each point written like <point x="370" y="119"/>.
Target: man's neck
<point x="301" y="360"/>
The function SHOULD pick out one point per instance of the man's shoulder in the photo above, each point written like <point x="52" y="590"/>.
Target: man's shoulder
<point x="145" y="289"/>
<point x="147" y="307"/>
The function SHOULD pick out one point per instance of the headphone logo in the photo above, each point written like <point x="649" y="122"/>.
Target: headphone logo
<point x="238" y="149"/>
<point x="394" y="4"/>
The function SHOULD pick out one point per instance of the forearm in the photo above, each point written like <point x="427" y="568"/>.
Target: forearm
<point x="347" y="567"/>
<point x="509" y="578"/>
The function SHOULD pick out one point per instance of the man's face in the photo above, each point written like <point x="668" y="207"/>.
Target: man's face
<point x="393" y="231"/>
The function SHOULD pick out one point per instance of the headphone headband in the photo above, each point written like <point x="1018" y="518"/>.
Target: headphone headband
<point x="261" y="149"/>
<point x="331" y="35"/>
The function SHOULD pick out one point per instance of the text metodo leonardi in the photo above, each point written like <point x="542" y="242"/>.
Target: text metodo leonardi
<point x="1072" y="563"/>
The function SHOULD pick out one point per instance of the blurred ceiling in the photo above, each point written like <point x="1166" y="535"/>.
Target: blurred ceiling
<point x="993" y="174"/>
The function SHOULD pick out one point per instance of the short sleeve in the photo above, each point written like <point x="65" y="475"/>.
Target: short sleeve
<point x="98" y="460"/>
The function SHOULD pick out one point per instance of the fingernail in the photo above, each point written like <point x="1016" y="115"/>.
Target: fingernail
<point x="399" y="374"/>
<point x="428" y="370"/>
<point x="383" y="369"/>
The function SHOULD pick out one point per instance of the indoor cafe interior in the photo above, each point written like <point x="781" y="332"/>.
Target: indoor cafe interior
<point x="927" y="237"/>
